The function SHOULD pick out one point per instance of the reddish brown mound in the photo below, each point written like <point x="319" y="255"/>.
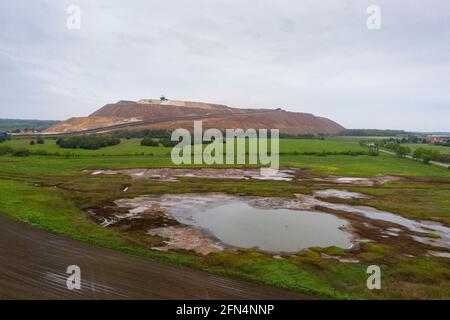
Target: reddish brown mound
<point x="171" y="114"/>
<point x="153" y="109"/>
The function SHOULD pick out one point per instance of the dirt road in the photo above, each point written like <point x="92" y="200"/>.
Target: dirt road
<point x="33" y="265"/>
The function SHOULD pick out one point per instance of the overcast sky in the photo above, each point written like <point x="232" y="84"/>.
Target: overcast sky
<point x="309" y="56"/>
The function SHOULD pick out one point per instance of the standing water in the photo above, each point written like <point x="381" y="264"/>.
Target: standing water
<point x="238" y="224"/>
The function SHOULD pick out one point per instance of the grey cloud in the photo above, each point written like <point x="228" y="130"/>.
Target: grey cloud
<point x="309" y="56"/>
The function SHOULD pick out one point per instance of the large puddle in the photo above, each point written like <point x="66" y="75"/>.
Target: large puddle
<point x="207" y="223"/>
<point x="213" y="222"/>
<point x="238" y="224"/>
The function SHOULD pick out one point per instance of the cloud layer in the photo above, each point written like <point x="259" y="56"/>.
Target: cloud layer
<point x="308" y="56"/>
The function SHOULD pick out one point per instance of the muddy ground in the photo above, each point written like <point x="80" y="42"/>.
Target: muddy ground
<point x="33" y="265"/>
<point x="150" y="219"/>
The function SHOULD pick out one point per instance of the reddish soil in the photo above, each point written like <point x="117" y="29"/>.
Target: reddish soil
<point x="213" y="116"/>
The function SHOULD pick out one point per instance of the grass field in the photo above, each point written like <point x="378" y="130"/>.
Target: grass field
<point x="53" y="193"/>
<point x="358" y="138"/>
<point x="130" y="154"/>
<point x="126" y="147"/>
<point x="132" y="146"/>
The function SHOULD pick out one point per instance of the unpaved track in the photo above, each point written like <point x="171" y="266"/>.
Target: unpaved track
<point x="33" y="265"/>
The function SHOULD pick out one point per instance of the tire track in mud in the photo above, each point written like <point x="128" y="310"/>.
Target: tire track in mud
<point x="33" y="265"/>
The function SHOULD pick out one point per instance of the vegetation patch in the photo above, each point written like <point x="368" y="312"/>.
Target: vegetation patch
<point x="91" y="142"/>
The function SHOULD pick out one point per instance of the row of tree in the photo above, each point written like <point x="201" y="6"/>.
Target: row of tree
<point x="146" y="133"/>
<point x="371" y="133"/>
<point x="426" y="155"/>
<point x="91" y="142"/>
<point x="399" y="149"/>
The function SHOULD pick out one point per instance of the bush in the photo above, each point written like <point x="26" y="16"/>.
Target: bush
<point x="39" y="140"/>
<point x="427" y="155"/>
<point x="4" y="136"/>
<point x="32" y="143"/>
<point x="87" y="142"/>
<point x="21" y="153"/>
<point x="168" y="143"/>
<point x="149" y="142"/>
<point x="373" y="152"/>
<point x="445" y="158"/>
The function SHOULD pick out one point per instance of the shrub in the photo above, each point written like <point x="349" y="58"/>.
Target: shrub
<point x="149" y="142"/>
<point x="427" y="155"/>
<point x="87" y="142"/>
<point x="32" y="143"/>
<point x="21" y="153"/>
<point x="445" y="158"/>
<point x="40" y="140"/>
<point x="168" y="143"/>
<point x="4" y="136"/>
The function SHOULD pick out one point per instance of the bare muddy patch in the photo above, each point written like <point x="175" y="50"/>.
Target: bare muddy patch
<point x="186" y="238"/>
<point x="358" y="181"/>
<point x="439" y="254"/>
<point x="340" y="194"/>
<point x="290" y="174"/>
<point x="172" y="174"/>
<point x="426" y="232"/>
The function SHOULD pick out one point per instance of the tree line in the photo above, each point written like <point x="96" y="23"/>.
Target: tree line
<point x="91" y="142"/>
<point x="421" y="153"/>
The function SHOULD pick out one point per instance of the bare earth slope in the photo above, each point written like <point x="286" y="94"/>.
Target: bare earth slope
<point x="172" y="112"/>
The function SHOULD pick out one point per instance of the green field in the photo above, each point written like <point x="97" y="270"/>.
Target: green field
<point x="312" y="145"/>
<point x="126" y="147"/>
<point x="132" y="146"/>
<point x="53" y="193"/>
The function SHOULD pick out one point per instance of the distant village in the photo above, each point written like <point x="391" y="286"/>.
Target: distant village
<point x="438" y="139"/>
